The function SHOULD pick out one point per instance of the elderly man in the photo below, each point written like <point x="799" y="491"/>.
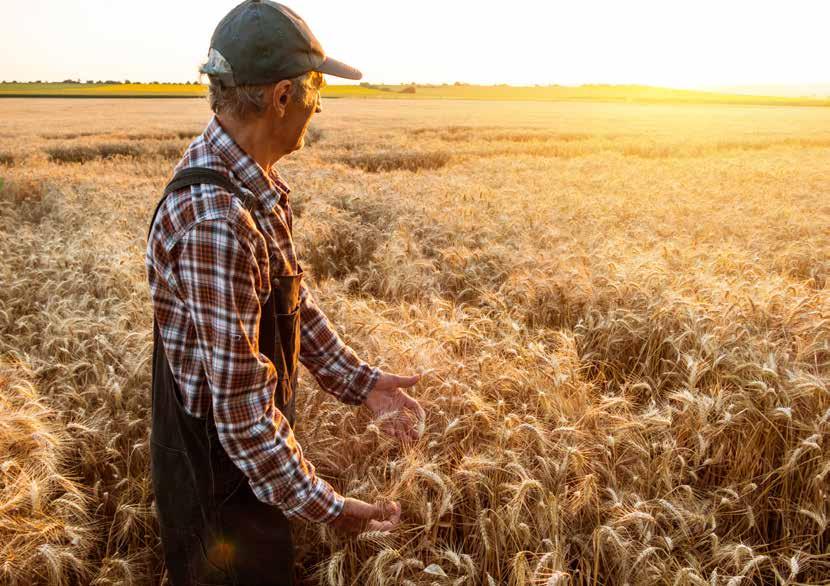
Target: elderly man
<point x="233" y="317"/>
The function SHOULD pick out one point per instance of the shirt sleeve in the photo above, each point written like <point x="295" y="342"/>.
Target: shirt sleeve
<point x="333" y="364"/>
<point x="218" y="277"/>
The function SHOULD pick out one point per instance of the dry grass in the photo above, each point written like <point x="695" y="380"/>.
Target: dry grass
<point x="313" y="135"/>
<point x="44" y="519"/>
<point x="626" y="309"/>
<point x="396" y="160"/>
<point x="82" y="153"/>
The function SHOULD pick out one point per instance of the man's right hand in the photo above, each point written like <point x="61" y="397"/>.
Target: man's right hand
<point x="358" y="516"/>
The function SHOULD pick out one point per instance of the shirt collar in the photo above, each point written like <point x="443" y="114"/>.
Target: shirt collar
<point x="269" y="188"/>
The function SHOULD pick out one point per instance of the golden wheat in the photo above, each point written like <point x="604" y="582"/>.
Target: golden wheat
<point x="624" y="309"/>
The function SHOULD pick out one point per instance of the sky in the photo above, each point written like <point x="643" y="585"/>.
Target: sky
<point x="674" y="43"/>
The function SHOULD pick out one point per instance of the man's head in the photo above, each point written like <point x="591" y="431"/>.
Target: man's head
<point x="265" y="68"/>
<point x="285" y="107"/>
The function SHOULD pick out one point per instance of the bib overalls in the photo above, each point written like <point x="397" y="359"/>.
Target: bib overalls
<point x="213" y="528"/>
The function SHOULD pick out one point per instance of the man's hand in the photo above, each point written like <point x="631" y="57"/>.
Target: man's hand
<point x="358" y="516"/>
<point x="395" y="407"/>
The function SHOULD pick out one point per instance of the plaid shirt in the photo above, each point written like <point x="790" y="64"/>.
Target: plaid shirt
<point x="208" y="268"/>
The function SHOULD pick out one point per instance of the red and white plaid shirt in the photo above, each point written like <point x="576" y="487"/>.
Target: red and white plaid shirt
<point x="208" y="268"/>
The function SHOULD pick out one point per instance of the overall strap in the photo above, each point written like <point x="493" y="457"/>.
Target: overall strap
<point x="203" y="176"/>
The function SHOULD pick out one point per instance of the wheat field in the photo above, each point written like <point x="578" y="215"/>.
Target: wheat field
<point x="625" y="310"/>
<point x="456" y="91"/>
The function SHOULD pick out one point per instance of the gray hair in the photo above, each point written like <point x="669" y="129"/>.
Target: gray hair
<point x="243" y="102"/>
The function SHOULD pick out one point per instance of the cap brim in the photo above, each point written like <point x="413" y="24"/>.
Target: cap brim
<point x="338" y="69"/>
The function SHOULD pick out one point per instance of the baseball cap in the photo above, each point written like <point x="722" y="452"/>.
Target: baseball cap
<point x="260" y="42"/>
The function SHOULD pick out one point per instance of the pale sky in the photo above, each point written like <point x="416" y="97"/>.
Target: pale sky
<point x="677" y="43"/>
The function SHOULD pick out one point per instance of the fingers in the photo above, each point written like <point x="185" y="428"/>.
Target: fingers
<point x="394" y="511"/>
<point x="380" y="526"/>
<point x="358" y="516"/>
<point x="402" y="426"/>
<point x="415" y="407"/>
<point x="396" y="430"/>
<point x="389" y="516"/>
<point x="404" y="382"/>
<point x="388" y="511"/>
<point x="408" y="430"/>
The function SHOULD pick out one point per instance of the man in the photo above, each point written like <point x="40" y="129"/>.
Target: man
<point x="233" y="317"/>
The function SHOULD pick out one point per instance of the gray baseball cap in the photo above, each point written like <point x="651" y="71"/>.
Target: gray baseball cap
<point x="261" y="42"/>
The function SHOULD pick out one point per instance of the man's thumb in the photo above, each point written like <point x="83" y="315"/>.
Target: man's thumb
<point x="406" y="381"/>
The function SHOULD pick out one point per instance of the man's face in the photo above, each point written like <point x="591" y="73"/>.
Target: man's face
<point x="298" y="113"/>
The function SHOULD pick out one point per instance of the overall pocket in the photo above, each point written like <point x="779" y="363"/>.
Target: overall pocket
<point x="174" y="488"/>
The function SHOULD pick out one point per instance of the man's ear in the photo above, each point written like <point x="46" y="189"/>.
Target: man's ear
<point x="281" y="96"/>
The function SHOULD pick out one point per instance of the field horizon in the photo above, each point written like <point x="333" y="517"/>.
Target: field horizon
<point x="624" y="307"/>
<point x="627" y="93"/>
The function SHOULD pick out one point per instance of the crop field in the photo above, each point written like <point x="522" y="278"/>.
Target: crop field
<point x="459" y="91"/>
<point x="625" y="310"/>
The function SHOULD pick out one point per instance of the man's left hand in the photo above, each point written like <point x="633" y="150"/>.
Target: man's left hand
<point x="401" y="413"/>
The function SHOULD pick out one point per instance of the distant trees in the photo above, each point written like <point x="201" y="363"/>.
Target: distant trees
<point x="103" y="82"/>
